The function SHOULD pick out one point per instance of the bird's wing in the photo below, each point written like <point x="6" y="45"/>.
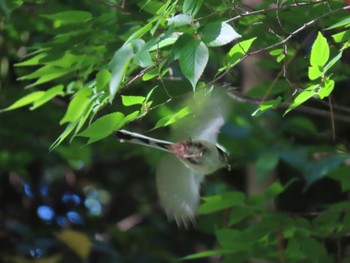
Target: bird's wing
<point x="178" y="190"/>
<point x="208" y="113"/>
<point x="136" y="138"/>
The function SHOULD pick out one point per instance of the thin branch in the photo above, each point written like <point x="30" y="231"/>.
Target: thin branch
<point x="284" y="41"/>
<point x="275" y="8"/>
<point x="238" y="96"/>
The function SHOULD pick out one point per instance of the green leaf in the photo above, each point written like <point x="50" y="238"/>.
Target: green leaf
<point x="302" y="97"/>
<point x="119" y="65"/>
<point x="7" y="6"/>
<point x="36" y="60"/>
<point x="206" y="253"/>
<point x="102" y="79"/>
<point x="170" y="119"/>
<point x="239" y="213"/>
<point x="70" y="127"/>
<point x="341" y="36"/>
<point x="265" y="164"/>
<point x="218" y="34"/>
<point x="70" y="17"/>
<point x="319" y="169"/>
<point x="219" y="202"/>
<point x="266" y="105"/>
<point x="142" y="55"/>
<point x="277" y="188"/>
<point x="237" y="52"/>
<point x="28" y="99"/>
<point x="179" y="44"/>
<point x="103" y="126"/>
<point x="341" y="174"/>
<point x="46" y="74"/>
<point x="326" y="89"/>
<point x="333" y="61"/>
<point x="77" y="106"/>
<point x="49" y="95"/>
<point x="342" y="23"/>
<point x="132" y="100"/>
<point x="193" y="60"/>
<point x="191" y="7"/>
<point x="315" y="72"/>
<point x="165" y="42"/>
<point x="319" y="52"/>
<point x="139" y="33"/>
<point x="180" y="20"/>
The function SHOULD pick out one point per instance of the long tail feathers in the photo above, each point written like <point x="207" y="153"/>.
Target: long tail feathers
<point x="126" y="136"/>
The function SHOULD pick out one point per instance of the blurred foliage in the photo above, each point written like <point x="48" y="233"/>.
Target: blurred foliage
<point x="71" y="193"/>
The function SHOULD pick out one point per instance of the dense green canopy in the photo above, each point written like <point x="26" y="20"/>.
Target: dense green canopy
<point x="72" y="72"/>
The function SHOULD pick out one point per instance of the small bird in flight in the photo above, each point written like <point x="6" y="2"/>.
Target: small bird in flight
<point x="180" y="173"/>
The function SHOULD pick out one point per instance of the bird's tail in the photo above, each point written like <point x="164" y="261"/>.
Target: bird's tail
<point x="126" y="136"/>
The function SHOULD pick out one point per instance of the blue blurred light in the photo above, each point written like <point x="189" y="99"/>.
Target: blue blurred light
<point x="36" y="252"/>
<point x="74" y="217"/>
<point x="61" y="221"/>
<point x="74" y="198"/>
<point x="27" y="190"/>
<point x="94" y="206"/>
<point x="45" y="212"/>
<point x="44" y="190"/>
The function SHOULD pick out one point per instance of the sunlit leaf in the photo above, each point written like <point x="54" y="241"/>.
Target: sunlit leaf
<point x="49" y="95"/>
<point x="345" y="22"/>
<point x="319" y="52"/>
<point x="102" y="79"/>
<point x="77" y="106"/>
<point x="315" y="72"/>
<point x="333" y="61"/>
<point x="68" y="130"/>
<point x="170" y="119"/>
<point x="36" y="60"/>
<point x="77" y="241"/>
<point x="218" y="34"/>
<point x="302" y="97"/>
<point x="237" y="52"/>
<point x="341" y="36"/>
<point x="26" y="100"/>
<point x="326" y="89"/>
<point x="132" y="100"/>
<point x="266" y="105"/>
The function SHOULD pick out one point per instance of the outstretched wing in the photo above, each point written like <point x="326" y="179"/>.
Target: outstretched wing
<point x="208" y="113"/>
<point x="178" y="189"/>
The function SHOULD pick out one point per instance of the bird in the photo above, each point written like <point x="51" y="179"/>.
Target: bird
<point x="197" y="154"/>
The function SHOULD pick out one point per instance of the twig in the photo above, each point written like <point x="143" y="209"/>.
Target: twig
<point x="282" y="42"/>
<point x="238" y="96"/>
<point x="275" y="8"/>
